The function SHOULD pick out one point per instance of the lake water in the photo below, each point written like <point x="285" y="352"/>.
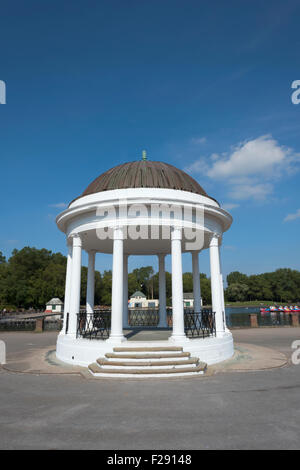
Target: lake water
<point x="239" y="316"/>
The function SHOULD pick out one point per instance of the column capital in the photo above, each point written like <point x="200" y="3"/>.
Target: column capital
<point x="195" y="252"/>
<point x="118" y="233"/>
<point x="214" y="241"/>
<point x="69" y="242"/>
<point x="76" y="239"/>
<point x="176" y="233"/>
<point x="92" y="252"/>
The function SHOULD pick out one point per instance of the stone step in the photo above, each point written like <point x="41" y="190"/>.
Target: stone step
<point x="104" y="363"/>
<point x="153" y="355"/>
<point x="151" y="372"/>
<point x="148" y="349"/>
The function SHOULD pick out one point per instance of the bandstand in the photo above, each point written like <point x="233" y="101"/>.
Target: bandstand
<point x="144" y="208"/>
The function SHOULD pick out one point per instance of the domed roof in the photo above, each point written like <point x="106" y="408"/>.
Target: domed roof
<point x="144" y="174"/>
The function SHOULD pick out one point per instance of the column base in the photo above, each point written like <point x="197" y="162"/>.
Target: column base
<point x="116" y="339"/>
<point x="71" y="335"/>
<point x="179" y="339"/>
<point x="221" y="334"/>
<point x="162" y="325"/>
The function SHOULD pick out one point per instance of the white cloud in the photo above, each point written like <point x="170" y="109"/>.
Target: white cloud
<point x="199" y="166"/>
<point x="258" y="156"/>
<point x="229" y="206"/>
<point x="251" y="167"/>
<point x="257" y="191"/>
<point x="294" y="216"/>
<point x="59" y="205"/>
<point x="198" y="140"/>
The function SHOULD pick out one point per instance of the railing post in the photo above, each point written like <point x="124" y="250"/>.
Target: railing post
<point x="39" y="325"/>
<point x="295" y="319"/>
<point x="253" y="320"/>
<point x="67" y="323"/>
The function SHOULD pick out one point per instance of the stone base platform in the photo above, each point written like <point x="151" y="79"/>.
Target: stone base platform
<point x="82" y="352"/>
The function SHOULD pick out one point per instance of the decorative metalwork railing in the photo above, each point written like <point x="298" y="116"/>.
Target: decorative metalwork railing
<point x="97" y="325"/>
<point x="238" y="320"/>
<point x="143" y="317"/>
<point x="199" y="324"/>
<point x="17" y="325"/>
<point x="67" y="322"/>
<point x="94" y="325"/>
<point x="274" y="319"/>
<point x="52" y="325"/>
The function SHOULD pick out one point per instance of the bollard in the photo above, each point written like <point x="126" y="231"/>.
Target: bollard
<point x="39" y="325"/>
<point x="2" y="352"/>
<point x="295" y="319"/>
<point x="253" y="320"/>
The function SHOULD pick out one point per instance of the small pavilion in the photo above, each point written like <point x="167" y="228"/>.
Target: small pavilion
<point x="143" y="208"/>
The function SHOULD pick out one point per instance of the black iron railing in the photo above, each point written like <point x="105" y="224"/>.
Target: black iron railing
<point x="143" y="317"/>
<point x="97" y="325"/>
<point x="17" y="325"/>
<point x="52" y="325"/>
<point x="274" y="319"/>
<point x="94" y="325"/>
<point x="199" y="324"/>
<point x="67" y="322"/>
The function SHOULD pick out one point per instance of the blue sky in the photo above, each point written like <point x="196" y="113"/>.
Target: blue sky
<point x="205" y="86"/>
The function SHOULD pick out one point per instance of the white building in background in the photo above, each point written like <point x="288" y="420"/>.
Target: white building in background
<point x="188" y="300"/>
<point x="55" y="305"/>
<point x="139" y="300"/>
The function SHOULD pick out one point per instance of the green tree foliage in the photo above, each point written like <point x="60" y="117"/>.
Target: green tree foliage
<point x="31" y="277"/>
<point x="237" y="292"/>
<point x="187" y="279"/>
<point x="280" y="286"/>
<point x="141" y="279"/>
<point x="2" y="258"/>
<point x="236" y="278"/>
<point x="105" y="288"/>
<point x="205" y="289"/>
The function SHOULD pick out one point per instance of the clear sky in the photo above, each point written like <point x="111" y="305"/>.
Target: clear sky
<point x="205" y="86"/>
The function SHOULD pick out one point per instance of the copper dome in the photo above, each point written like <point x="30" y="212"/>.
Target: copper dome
<point x="144" y="174"/>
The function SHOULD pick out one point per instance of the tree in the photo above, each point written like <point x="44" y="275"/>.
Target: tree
<point x="105" y="290"/>
<point x="187" y="279"/>
<point x="237" y="292"/>
<point x="236" y="277"/>
<point x="205" y="289"/>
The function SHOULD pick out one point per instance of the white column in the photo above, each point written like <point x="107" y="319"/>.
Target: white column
<point x="116" y="333"/>
<point x="90" y="287"/>
<point x="216" y="285"/>
<point x="125" y="292"/>
<point x="222" y="288"/>
<point x="162" y="292"/>
<point x="68" y="284"/>
<point x="75" y="285"/>
<point x="196" y="282"/>
<point x="178" y="333"/>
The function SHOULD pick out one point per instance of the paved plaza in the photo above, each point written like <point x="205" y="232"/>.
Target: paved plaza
<point x="232" y="407"/>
